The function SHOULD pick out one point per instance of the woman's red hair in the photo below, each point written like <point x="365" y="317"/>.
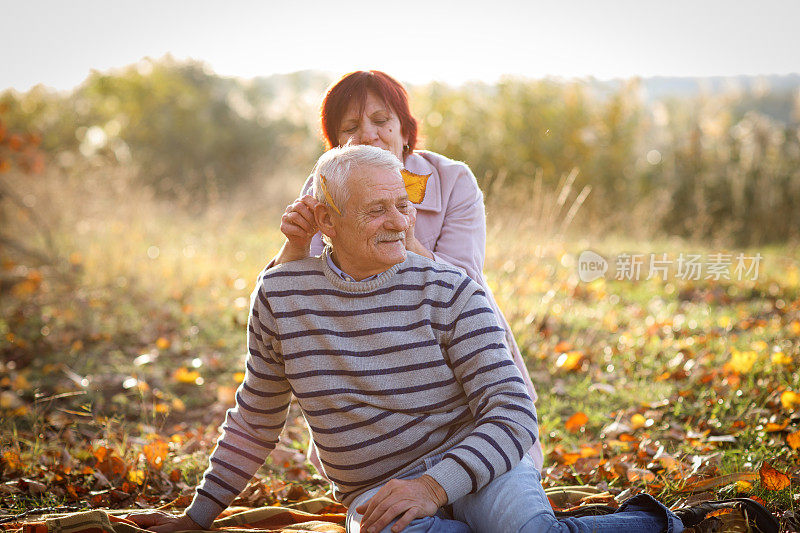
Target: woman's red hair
<point x="353" y="88"/>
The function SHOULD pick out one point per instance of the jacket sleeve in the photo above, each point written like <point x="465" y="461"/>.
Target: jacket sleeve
<point x="316" y="241"/>
<point x="505" y="417"/>
<point x="462" y="240"/>
<point x="251" y="428"/>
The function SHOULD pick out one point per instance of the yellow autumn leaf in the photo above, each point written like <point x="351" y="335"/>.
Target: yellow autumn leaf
<point x="742" y="362"/>
<point x="184" y="375"/>
<point x="178" y="405"/>
<point x="328" y="198"/>
<point x="638" y="421"/>
<point x="790" y="400"/>
<point x="781" y="359"/>
<point x="760" y="346"/>
<point x="570" y="360"/>
<point x="136" y="476"/>
<point x="793" y="439"/>
<point x="162" y="343"/>
<point x="415" y="185"/>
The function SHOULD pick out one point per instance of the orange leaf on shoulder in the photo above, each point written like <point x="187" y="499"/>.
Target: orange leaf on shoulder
<point x="415" y="185"/>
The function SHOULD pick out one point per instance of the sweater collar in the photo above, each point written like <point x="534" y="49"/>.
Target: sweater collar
<point x="356" y="286"/>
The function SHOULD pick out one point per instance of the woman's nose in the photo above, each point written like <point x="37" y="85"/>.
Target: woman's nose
<point x="368" y="134"/>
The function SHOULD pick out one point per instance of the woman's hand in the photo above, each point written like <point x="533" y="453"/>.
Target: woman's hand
<point x="299" y="227"/>
<point x="162" y="522"/>
<point x="412" y="244"/>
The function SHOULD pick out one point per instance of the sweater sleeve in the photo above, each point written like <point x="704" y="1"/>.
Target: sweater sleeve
<point x="505" y="417"/>
<point x="251" y="428"/>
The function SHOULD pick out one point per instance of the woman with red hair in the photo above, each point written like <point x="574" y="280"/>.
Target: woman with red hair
<point x="371" y="107"/>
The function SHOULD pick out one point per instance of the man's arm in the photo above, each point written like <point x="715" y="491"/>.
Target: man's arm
<point x="252" y="428"/>
<point x="505" y="417"/>
<point x="504" y="414"/>
<point x="250" y="431"/>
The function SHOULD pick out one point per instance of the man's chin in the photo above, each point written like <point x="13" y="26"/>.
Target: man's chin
<point x="394" y="252"/>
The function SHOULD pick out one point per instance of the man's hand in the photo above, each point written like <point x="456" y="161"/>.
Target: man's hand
<point x="411" y="498"/>
<point x="412" y="243"/>
<point x="162" y="522"/>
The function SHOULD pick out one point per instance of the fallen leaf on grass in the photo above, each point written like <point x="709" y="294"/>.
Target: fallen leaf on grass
<point x="773" y="479"/>
<point x="718" y="481"/>
<point x="184" y="375"/>
<point x="741" y="362"/>
<point x="569" y="361"/>
<point x="576" y="422"/>
<point x="156" y="452"/>
<point x="793" y="439"/>
<point x="773" y="427"/>
<point x="790" y="400"/>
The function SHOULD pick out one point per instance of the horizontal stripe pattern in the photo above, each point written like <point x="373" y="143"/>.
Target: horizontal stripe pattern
<point x="387" y="372"/>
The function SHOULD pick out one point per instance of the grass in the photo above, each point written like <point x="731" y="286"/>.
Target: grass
<point x="137" y="337"/>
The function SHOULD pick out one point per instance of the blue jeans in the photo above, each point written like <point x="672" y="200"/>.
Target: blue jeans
<point x="515" y="502"/>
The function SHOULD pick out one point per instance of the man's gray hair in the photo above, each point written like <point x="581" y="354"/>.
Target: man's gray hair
<point x="338" y="164"/>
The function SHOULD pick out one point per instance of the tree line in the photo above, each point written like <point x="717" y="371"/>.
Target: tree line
<point x="723" y="164"/>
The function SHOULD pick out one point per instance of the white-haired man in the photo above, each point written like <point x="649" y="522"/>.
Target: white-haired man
<point x="400" y="368"/>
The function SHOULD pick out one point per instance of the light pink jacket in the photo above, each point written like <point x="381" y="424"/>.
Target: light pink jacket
<point x="451" y="223"/>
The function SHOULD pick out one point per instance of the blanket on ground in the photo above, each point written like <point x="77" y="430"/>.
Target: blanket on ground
<point x="320" y="515"/>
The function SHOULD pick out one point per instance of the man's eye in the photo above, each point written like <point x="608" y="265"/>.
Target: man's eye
<point x="376" y="210"/>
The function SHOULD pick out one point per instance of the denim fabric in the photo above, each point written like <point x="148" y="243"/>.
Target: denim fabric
<point x="516" y="502"/>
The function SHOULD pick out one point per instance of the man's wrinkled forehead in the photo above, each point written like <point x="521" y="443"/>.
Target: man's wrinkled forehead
<point x="371" y="184"/>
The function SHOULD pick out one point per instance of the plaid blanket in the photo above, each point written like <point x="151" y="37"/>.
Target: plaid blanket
<point x="320" y="515"/>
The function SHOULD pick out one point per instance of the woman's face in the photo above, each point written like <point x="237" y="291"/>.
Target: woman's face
<point x="376" y="126"/>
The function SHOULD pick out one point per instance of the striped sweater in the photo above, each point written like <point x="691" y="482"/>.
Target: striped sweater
<point x="387" y="373"/>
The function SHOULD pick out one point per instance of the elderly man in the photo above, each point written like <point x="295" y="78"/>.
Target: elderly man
<point x="400" y="368"/>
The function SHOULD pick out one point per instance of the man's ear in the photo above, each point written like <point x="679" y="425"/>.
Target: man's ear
<point x="324" y="218"/>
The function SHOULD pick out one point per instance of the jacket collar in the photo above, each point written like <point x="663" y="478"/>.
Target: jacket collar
<point x="417" y="164"/>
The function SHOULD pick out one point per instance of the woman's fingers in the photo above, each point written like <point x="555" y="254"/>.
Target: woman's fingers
<point x="297" y="222"/>
<point x="296" y="219"/>
<point x="310" y="201"/>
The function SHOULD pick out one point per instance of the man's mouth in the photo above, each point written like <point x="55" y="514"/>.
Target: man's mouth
<point x="391" y="237"/>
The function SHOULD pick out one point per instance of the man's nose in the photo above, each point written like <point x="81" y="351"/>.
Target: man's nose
<point x="397" y="221"/>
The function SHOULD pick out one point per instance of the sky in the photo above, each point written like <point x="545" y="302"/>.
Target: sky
<point x="58" y="42"/>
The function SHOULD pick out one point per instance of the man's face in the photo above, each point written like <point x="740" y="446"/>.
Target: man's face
<point x="370" y="237"/>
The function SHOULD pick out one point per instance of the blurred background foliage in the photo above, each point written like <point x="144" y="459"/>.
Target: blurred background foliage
<point x="721" y="165"/>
